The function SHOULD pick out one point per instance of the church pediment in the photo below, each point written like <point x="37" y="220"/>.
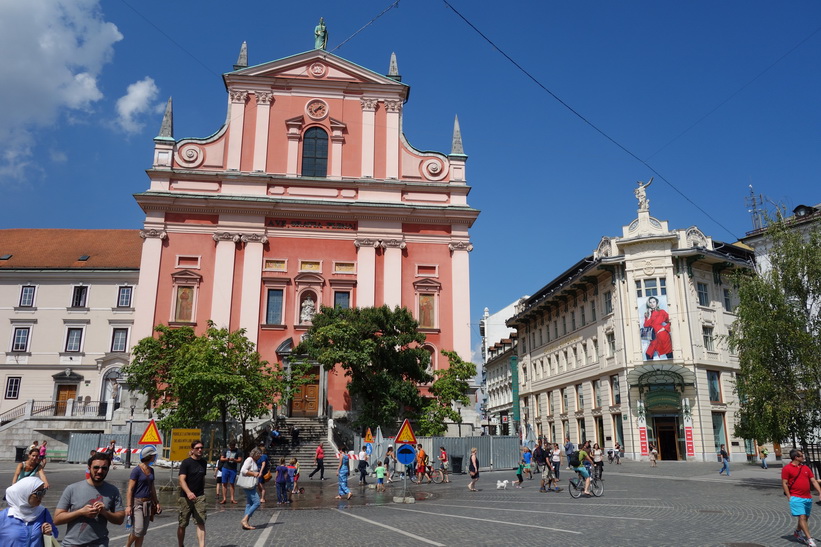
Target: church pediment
<point x="314" y="65"/>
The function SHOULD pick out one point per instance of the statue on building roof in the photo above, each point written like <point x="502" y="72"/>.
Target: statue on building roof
<point x="641" y="194"/>
<point x="321" y="35"/>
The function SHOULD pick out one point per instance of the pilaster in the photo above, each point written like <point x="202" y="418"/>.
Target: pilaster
<point x="264" y="99"/>
<point x="236" y="123"/>
<point x="393" y="109"/>
<point x="145" y="301"/>
<point x="460" y="287"/>
<point x="249" y="318"/>
<point x="392" y="281"/>
<point x="368" y="135"/>
<point x="365" y="271"/>
<point x="223" y="278"/>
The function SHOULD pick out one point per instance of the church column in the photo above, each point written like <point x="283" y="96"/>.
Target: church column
<point x="261" y="137"/>
<point x="365" y="271"/>
<point x="460" y="283"/>
<point x="392" y="281"/>
<point x="236" y="123"/>
<point x="393" y="108"/>
<point x="251" y="285"/>
<point x="368" y="135"/>
<point x="223" y="278"/>
<point x="145" y="303"/>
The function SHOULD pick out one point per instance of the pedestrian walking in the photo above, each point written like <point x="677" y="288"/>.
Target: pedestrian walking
<point x="380" y="476"/>
<point x="249" y="481"/>
<point x="797" y="480"/>
<point x="231" y="458"/>
<point x="264" y="469"/>
<point x="282" y="482"/>
<point x="343" y="471"/>
<point x="319" y="458"/>
<point x="141" y="503"/>
<point x="556" y="459"/>
<point x="293" y="476"/>
<point x="390" y="463"/>
<point x="473" y="469"/>
<point x="527" y="458"/>
<point x="30" y="467"/>
<point x="598" y="461"/>
<point x="43" y="449"/>
<point x="89" y="505"/>
<point x="724" y="458"/>
<point x="539" y="457"/>
<point x="444" y="462"/>
<point x="192" y="494"/>
<point x="764" y="453"/>
<point x="25" y="521"/>
<point x="568" y="450"/>
<point x="617" y="453"/>
<point x="421" y="464"/>
<point x="654" y="455"/>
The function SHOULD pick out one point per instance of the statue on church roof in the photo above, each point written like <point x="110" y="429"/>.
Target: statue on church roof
<point x="641" y="194"/>
<point x="321" y="35"/>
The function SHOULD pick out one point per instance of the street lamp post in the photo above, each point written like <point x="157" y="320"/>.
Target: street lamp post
<point x="133" y="401"/>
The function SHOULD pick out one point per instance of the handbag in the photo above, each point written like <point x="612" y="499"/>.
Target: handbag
<point x="647" y="333"/>
<point x="267" y="476"/>
<point x="50" y="541"/>
<point x="246" y="482"/>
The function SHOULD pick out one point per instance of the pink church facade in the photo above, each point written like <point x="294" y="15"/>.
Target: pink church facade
<point x="309" y="195"/>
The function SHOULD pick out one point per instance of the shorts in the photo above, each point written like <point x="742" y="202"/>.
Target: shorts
<point x="141" y="512"/>
<point x="219" y="475"/>
<point x="444" y="466"/>
<point x="421" y="469"/>
<point x="583" y="470"/>
<point x="229" y="476"/>
<point x="800" y="506"/>
<point x="380" y="481"/>
<point x="548" y="474"/>
<point x="190" y="508"/>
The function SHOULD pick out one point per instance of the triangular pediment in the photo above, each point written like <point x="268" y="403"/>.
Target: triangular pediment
<point x="315" y="65"/>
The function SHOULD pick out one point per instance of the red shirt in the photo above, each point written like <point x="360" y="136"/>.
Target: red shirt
<point x="320" y="454"/>
<point x="798" y="480"/>
<point x="443" y="456"/>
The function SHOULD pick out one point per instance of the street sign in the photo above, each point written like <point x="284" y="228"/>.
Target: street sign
<point x="181" y="440"/>
<point x="405" y="435"/>
<point x="368" y="437"/>
<point x="151" y="435"/>
<point x="368" y="448"/>
<point x="406" y="454"/>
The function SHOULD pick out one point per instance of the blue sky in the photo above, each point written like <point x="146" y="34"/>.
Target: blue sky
<point x="715" y="96"/>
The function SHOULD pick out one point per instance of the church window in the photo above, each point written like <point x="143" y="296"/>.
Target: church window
<point x="315" y="153"/>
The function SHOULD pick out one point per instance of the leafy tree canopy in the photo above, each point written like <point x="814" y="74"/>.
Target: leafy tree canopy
<point x="380" y="350"/>
<point x="451" y="386"/>
<point x="776" y="335"/>
<point x="195" y="379"/>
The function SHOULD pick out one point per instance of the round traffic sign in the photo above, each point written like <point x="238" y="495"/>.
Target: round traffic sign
<point x="368" y="448"/>
<point x="406" y="454"/>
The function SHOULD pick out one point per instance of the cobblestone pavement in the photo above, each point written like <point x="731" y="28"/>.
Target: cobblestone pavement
<point x="675" y="504"/>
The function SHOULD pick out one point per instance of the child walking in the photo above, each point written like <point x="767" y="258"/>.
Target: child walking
<point x="380" y="477"/>
<point x="295" y="463"/>
<point x="519" y="473"/>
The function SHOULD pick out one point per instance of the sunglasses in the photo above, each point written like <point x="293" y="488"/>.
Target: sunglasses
<point x="41" y="492"/>
<point x="197" y="448"/>
<point x="100" y="467"/>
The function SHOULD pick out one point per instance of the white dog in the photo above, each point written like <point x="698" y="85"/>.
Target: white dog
<point x="502" y="485"/>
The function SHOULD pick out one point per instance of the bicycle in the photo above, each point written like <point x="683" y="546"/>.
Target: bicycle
<point x="576" y="487"/>
<point x="436" y="475"/>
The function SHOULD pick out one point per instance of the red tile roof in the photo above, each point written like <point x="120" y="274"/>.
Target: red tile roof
<point x="61" y="249"/>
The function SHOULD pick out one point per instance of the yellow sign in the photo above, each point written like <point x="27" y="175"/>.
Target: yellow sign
<point x="151" y="435"/>
<point x="181" y="440"/>
<point x="368" y="437"/>
<point x="405" y="435"/>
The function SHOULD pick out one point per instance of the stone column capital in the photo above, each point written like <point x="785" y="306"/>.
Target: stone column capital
<point x="227" y="236"/>
<point x="366" y="242"/>
<point x="460" y="246"/>
<point x="152" y="233"/>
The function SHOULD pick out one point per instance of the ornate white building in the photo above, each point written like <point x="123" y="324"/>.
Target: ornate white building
<point x="627" y="344"/>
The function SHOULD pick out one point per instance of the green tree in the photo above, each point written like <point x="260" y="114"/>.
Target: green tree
<point x="451" y="387"/>
<point x="381" y="353"/>
<point x="196" y="379"/>
<point x="776" y="335"/>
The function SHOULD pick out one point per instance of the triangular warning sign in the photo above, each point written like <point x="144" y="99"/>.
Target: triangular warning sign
<point x="405" y="435"/>
<point x="151" y="435"/>
<point x="368" y="437"/>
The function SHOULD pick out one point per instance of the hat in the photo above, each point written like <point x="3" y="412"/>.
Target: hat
<point x="147" y="452"/>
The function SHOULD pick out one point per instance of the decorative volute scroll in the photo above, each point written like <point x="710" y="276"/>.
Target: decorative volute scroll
<point x="393" y="244"/>
<point x="227" y="236"/>
<point x="153" y="233"/>
<point x="254" y="238"/>
<point x="460" y="246"/>
<point x="365" y="242"/>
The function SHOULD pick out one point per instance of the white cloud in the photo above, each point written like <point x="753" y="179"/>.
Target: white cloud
<point x="136" y="102"/>
<point x="51" y="55"/>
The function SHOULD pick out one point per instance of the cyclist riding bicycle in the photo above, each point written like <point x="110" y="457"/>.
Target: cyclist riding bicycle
<point x="580" y="461"/>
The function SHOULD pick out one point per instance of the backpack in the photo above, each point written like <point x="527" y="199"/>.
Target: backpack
<point x="574" y="459"/>
<point x="427" y="460"/>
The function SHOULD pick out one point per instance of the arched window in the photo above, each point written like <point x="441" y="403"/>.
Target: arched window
<point x="315" y="153"/>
